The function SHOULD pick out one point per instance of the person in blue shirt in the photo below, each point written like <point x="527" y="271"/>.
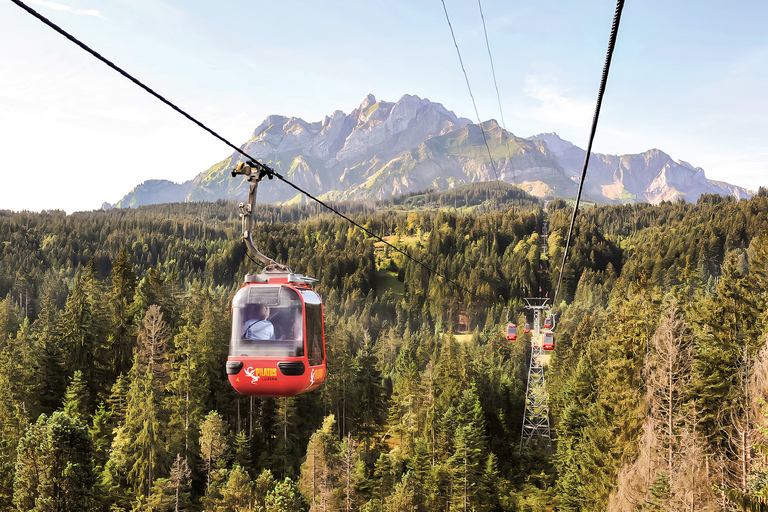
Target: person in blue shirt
<point x="259" y="328"/>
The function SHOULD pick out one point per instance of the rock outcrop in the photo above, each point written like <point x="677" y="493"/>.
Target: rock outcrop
<point x="385" y="148"/>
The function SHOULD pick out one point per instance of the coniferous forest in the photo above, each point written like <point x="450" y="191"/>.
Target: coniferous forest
<point x="114" y="332"/>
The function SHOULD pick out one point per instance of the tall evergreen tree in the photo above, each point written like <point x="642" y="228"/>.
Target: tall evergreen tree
<point x="76" y="398"/>
<point x="213" y="441"/>
<point x="371" y="401"/>
<point x="48" y="358"/>
<point x="121" y="328"/>
<point x="53" y="469"/>
<point x="468" y="461"/>
<point x="81" y="330"/>
<point x="319" y="473"/>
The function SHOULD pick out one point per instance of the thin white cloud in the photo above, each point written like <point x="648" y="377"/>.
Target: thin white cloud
<point x="553" y="103"/>
<point x="61" y="7"/>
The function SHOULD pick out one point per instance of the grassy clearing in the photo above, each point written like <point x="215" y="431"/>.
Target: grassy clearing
<point x="387" y="281"/>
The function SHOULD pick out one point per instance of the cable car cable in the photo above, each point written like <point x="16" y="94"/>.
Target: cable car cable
<point x="466" y="78"/>
<point x="495" y="84"/>
<point x="269" y="171"/>
<point x="493" y="70"/>
<point x="603" y="81"/>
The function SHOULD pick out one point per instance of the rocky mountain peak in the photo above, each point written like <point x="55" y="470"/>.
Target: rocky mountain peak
<point x="383" y="148"/>
<point x="367" y="102"/>
<point x="553" y="142"/>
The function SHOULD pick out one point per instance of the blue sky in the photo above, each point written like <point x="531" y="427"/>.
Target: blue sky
<point x="687" y="78"/>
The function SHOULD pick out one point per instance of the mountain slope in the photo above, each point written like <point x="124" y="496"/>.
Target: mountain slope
<point x="383" y="148"/>
<point x="649" y="177"/>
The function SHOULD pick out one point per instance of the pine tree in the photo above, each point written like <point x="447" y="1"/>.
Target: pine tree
<point x="180" y="480"/>
<point x="121" y="329"/>
<point x="118" y="399"/>
<point x="286" y="497"/>
<point x="383" y="476"/>
<point x="263" y="485"/>
<point x="467" y="462"/>
<point x="237" y="493"/>
<point x="402" y="497"/>
<point x="213" y="441"/>
<point x="160" y="290"/>
<point x="242" y="449"/>
<point x="144" y="413"/>
<point x="114" y="478"/>
<point x="153" y="341"/>
<point x="53" y="470"/>
<point x="197" y="381"/>
<point x="285" y="423"/>
<point x="48" y="358"/>
<point x="81" y="330"/>
<point x="319" y="473"/>
<point x="101" y="435"/>
<point x="10" y="317"/>
<point x="76" y="398"/>
<point x="348" y="457"/>
<point x="14" y="420"/>
<point x="143" y="423"/>
<point x="183" y="403"/>
<point x="371" y="401"/>
<point x="668" y="367"/>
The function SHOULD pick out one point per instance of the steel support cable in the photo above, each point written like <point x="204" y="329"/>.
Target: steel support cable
<point x="493" y="70"/>
<point x="603" y="81"/>
<point x="495" y="84"/>
<point x="237" y="149"/>
<point x="466" y="79"/>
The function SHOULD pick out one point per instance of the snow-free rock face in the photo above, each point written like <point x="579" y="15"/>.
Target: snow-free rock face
<point x="649" y="177"/>
<point x="385" y="148"/>
<point x="375" y="127"/>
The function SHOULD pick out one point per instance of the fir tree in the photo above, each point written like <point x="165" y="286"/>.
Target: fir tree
<point x="286" y="497"/>
<point x="121" y="328"/>
<point x="76" y="398"/>
<point x="53" y="469"/>
<point x="213" y="441"/>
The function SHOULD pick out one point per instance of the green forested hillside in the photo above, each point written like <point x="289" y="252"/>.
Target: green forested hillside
<point x="114" y="329"/>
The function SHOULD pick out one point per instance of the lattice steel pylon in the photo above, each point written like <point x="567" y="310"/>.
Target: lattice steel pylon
<point x="536" y="416"/>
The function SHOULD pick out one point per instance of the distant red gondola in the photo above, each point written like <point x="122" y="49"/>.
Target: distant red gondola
<point x="548" y="340"/>
<point x="527" y="328"/>
<point x="547" y="323"/>
<point x="511" y="332"/>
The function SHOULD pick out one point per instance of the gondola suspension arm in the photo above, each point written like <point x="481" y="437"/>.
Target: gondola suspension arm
<point x="255" y="172"/>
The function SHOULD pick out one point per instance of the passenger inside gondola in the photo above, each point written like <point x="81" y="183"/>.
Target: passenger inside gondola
<point x="267" y="322"/>
<point x="293" y="330"/>
<point x="259" y="327"/>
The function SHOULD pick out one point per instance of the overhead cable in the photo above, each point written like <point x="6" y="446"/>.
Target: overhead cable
<point x="493" y="70"/>
<point x="236" y="148"/>
<point x="496" y="85"/>
<point x="603" y="81"/>
<point x="466" y="78"/>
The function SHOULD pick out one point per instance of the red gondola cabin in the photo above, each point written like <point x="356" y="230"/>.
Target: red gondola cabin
<point x="547" y="323"/>
<point x="548" y="340"/>
<point x="511" y="332"/>
<point x="277" y="347"/>
<point x="527" y="328"/>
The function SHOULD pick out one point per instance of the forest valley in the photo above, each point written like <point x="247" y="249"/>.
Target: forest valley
<point x="114" y="330"/>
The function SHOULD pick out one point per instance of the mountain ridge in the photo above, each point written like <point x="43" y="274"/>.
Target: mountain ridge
<point x="385" y="148"/>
